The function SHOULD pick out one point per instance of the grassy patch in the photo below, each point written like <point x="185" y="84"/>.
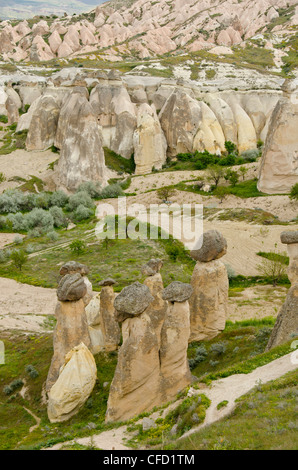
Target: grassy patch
<point x="117" y="163"/>
<point x="236" y="346"/>
<point x="36" y="351"/>
<point x="281" y="258"/>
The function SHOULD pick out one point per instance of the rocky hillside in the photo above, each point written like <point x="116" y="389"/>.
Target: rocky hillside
<point x="144" y="29"/>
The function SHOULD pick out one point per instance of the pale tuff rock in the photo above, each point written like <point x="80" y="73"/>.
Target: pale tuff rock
<point x="110" y="327"/>
<point x="71" y="329"/>
<point x="55" y="41"/>
<point x="290" y="238"/>
<point x="136" y="384"/>
<point x="247" y="138"/>
<point x="286" y="326"/>
<point x="279" y="165"/>
<point x="209" y="300"/>
<point x="180" y="118"/>
<point x="210" y="246"/>
<point x="13" y="95"/>
<point x="152" y="362"/>
<point x="103" y="327"/>
<point x="12" y="111"/>
<point x="82" y="157"/>
<point x="164" y="27"/>
<point x="3" y="99"/>
<point x="74" y="385"/>
<point x="29" y="94"/>
<point x="150" y="144"/>
<point x="210" y="136"/>
<point x="158" y="307"/>
<point x="116" y="114"/>
<point x="43" y="125"/>
<point x="152" y="267"/>
<point x="225" y="117"/>
<point x="174" y="367"/>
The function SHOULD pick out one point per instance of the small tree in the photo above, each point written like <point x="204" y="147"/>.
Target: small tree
<point x="230" y="147"/>
<point x="165" y="193"/>
<point x="232" y="176"/>
<point x="78" y="247"/>
<point x="19" y="258"/>
<point x="221" y="192"/>
<point x="272" y="268"/>
<point x="243" y="171"/>
<point x="215" y="173"/>
<point x="294" y="192"/>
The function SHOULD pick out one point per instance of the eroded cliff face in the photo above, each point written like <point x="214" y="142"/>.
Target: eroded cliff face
<point x="279" y="166"/>
<point x="147" y="28"/>
<point x="153" y="118"/>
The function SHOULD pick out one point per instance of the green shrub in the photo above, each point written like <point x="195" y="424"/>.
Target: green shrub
<point x="14" y="385"/>
<point x="3" y="118"/>
<point x="78" y="247"/>
<point x="294" y="192"/>
<point x="111" y="191"/>
<point x="93" y="189"/>
<point x="58" y="198"/>
<point x="31" y="371"/>
<point x="81" y="213"/>
<point x="19" y="258"/>
<point x="78" y="199"/>
<point x="59" y="217"/>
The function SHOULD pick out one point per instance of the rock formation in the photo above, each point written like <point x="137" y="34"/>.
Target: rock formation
<point x="152" y="361"/>
<point x="142" y="28"/>
<point x="209" y="300"/>
<point x="279" y="166"/>
<point x="110" y="327"/>
<point x="286" y="325"/>
<point x="71" y="327"/>
<point x="74" y="385"/>
<point x="174" y="367"/>
<point x="150" y="144"/>
<point x="135" y="385"/>
<point x="79" y="137"/>
<point x="73" y="267"/>
<point x="43" y="126"/>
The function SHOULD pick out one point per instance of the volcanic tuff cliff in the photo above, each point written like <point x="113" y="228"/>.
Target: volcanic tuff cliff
<point x="146" y="28"/>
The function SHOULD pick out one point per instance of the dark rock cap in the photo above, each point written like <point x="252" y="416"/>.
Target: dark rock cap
<point x="132" y="301"/>
<point x="107" y="282"/>
<point x="177" y="292"/>
<point x="73" y="267"/>
<point x="289" y="237"/>
<point x="152" y="267"/>
<point x="212" y="245"/>
<point x="71" y="288"/>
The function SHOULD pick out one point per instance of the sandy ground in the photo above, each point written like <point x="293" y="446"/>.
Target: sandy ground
<point x="25" y="308"/>
<point x="8" y="238"/>
<point x="228" y="389"/>
<point x="24" y="164"/>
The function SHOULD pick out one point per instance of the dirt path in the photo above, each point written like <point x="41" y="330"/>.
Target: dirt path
<point x="235" y="386"/>
<point x="229" y="389"/>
